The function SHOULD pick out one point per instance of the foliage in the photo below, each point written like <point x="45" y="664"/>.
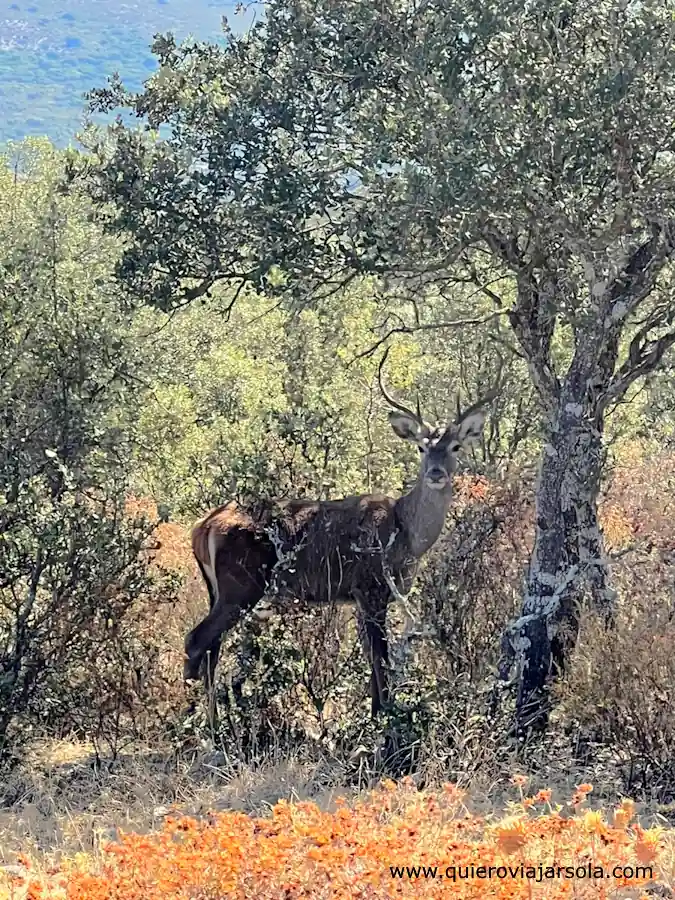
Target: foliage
<point x="618" y="692"/>
<point x="190" y="410"/>
<point x="475" y="131"/>
<point x="71" y="566"/>
<point x="454" y="156"/>
<point x="104" y="406"/>
<point x="301" y="851"/>
<point x="274" y="403"/>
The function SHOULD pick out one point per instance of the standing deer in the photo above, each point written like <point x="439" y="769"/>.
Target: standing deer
<point x="362" y="549"/>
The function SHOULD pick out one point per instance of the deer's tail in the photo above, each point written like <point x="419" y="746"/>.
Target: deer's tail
<point x="205" y="539"/>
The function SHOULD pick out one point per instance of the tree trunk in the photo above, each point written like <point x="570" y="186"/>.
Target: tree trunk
<point x="568" y="561"/>
<point x="583" y="553"/>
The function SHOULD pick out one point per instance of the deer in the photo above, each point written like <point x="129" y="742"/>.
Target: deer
<point x="362" y="550"/>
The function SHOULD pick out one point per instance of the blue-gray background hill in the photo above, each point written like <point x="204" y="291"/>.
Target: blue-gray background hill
<point x="53" y="51"/>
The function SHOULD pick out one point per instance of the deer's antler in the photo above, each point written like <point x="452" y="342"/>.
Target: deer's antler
<point x="416" y="416"/>
<point x="485" y="399"/>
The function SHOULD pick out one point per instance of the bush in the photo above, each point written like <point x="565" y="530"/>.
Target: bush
<point x="72" y="570"/>
<point x="618" y="696"/>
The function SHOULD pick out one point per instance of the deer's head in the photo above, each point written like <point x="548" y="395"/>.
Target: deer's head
<point x="439" y="444"/>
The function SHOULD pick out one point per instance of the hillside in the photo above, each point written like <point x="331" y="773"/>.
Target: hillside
<point x="53" y="51"/>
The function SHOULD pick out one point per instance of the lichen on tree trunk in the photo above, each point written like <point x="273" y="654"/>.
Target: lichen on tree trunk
<point x="568" y="565"/>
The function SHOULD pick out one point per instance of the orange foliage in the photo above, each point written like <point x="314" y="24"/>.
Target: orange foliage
<point x="472" y="488"/>
<point x="617" y="526"/>
<point x="644" y="492"/>
<point x="169" y="546"/>
<point x="302" y="852"/>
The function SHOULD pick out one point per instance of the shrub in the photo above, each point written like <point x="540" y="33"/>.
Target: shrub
<point x="72" y="570"/>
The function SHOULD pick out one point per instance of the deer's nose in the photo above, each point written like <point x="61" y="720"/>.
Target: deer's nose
<point x="436" y="477"/>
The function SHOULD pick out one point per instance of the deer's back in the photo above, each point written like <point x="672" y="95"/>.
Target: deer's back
<point x="314" y="550"/>
<point x="334" y="549"/>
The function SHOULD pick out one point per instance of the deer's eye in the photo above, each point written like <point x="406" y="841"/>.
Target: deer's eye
<point x="421" y="448"/>
<point x="455" y="447"/>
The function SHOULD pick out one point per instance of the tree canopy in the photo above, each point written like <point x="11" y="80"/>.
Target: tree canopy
<point x="340" y="137"/>
<point x="521" y="151"/>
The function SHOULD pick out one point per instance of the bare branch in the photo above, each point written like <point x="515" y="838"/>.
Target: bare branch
<point x="532" y="318"/>
<point x="642" y="359"/>
<point x="429" y="326"/>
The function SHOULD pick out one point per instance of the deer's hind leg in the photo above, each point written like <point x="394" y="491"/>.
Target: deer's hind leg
<point x="236" y="576"/>
<point x="202" y="644"/>
<point x="230" y="598"/>
<point x="211" y="656"/>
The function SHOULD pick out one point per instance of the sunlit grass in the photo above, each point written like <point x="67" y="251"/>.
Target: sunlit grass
<point x="303" y="851"/>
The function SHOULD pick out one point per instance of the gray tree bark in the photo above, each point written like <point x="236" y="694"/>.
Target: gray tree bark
<point x="568" y="565"/>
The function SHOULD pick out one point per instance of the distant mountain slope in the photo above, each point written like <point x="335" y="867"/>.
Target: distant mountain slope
<point x="52" y="51"/>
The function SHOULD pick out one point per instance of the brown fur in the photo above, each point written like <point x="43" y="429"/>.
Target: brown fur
<point x="340" y="549"/>
<point x="362" y="549"/>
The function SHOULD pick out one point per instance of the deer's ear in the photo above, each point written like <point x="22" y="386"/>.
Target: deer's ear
<point x="471" y="428"/>
<point x="405" y="426"/>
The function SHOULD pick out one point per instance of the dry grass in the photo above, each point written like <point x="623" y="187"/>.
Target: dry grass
<point x="62" y="804"/>
<point x="65" y="812"/>
<point x="331" y="849"/>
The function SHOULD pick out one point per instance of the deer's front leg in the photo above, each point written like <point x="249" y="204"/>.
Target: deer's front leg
<point x="372" y="620"/>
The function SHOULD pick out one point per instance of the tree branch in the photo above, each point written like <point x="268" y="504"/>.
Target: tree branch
<point x="532" y="318"/>
<point x="429" y="326"/>
<point x="642" y="359"/>
<point x="637" y="280"/>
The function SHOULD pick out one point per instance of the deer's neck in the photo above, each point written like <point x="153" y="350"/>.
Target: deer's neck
<point x="422" y="514"/>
